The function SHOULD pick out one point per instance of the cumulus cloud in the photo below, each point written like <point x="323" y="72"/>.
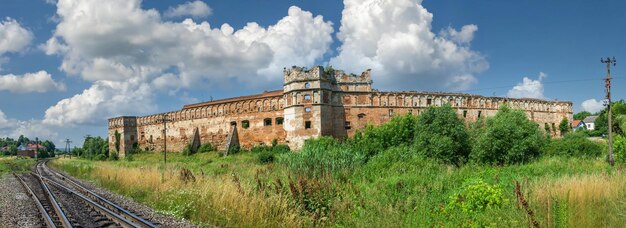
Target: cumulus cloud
<point x="130" y="54"/>
<point x="30" y="82"/>
<point x="529" y="88"/>
<point x="13" y="37"/>
<point x="104" y="99"/>
<point x="196" y="9"/>
<point x="395" y="40"/>
<point x="31" y="128"/>
<point x="592" y="105"/>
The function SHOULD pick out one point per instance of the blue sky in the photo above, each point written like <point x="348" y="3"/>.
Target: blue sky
<point x="139" y="57"/>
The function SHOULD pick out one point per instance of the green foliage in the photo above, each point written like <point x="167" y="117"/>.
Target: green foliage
<point x="267" y="154"/>
<point x="94" y="148"/>
<point x="564" y="126"/>
<point x="508" y="138"/>
<point x="187" y="151"/>
<point x="117" y="140"/>
<point x="619" y="149"/>
<point x="574" y="144"/>
<point x="442" y="135"/>
<point x="581" y="115"/>
<point x="321" y="156"/>
<point x="114" y="156"/>
<point x="617" y="109"/>
<point x="398" y="131"/>
<point x="476" y="196"/>
<point x="207" y="147"/>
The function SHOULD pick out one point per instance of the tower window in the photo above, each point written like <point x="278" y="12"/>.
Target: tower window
<point x="464" y="113"/>
<point x="267" y="122"/>
<point x="479" y="112"/>
<point x="390" y="112"/>
<point x="429" y="101"/>
<point x="307" y="109"/>
<point x="245" y="124"/>
<point x="307" y="124"/>
<point x="361" y="115"/>
<point x="307" y="85"/>
<point x="347" y="125"/>
<point x="279" y="121"/>
<point x="307" y="97"/>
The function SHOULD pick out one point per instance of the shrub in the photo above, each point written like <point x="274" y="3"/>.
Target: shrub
<point x="266" y="157"/>
<point x="619" y="149"/>
<point x="207" y="147"/>
<point x="187" y="151"/>
<point x="372" y="140"/>
<point x="508" y="138"/>
<point x="564" y="126"/>
<point x="442" y="135"/>
<point x="476" y="196"/>
<point x="114" y="156"/>
<point x="574" y="144"/>
<point x="101" y="157"/>
<point x="321" y="156"/>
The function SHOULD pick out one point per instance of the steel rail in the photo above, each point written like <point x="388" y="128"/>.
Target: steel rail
<point x="108" y="213"/>
<point x="46" y="217"/>
<point x="103" y="201"/>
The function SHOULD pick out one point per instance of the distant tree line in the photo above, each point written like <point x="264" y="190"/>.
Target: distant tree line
<point x="48" y="148"/>
<point x="94" y="148"/>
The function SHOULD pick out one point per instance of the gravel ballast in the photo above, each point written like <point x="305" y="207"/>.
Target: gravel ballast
<point x="17" y="209"/>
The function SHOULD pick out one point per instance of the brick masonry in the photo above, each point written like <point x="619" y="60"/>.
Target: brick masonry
<point x="314" y="102"/>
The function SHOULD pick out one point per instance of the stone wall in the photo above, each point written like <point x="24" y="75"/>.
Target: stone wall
<point x="313" y="103"/>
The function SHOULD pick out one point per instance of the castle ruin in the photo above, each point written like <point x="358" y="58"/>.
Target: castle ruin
<point x="312" y="103"/>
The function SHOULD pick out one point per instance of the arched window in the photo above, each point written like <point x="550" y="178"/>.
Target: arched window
<point x="267" y="122"/>
<point x="279" y="121"/>
<point x="307" y="97"/>
<point x="245" y="124"/>
<point x="307" y="85"/>
<point x="361" y="115"/>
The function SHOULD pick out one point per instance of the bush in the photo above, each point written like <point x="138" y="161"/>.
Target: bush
<point x="619" y="149"/>
<point x="440" y="134"/>
<point x="574" y="144"/>
<point x="101" y="157"/>
<point x="508" y="138"/>
<point x="114" y="156"/>
<point x="372" y="140"/>
<point x="476" y="196"/>
<point x="207" y="147"/>
<point x="266" y="157"/>
<point x="324" y="155"/>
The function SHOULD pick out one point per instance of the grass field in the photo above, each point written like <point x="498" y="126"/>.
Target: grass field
<point x="11" y="164"/>
<point x="389" y="190"/>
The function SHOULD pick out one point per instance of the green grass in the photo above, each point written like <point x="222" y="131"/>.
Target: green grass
<point x="394" y="188"/>
<point x="15" y="164"/>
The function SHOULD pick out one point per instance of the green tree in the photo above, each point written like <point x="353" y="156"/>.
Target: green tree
<point x="564" y="126"/>
<point x="581" y="115"/>
<point x="508" y="138"/>
<point x="441" y="134"/>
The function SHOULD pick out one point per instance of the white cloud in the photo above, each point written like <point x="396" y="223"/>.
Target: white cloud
<point x="529" y="88"/>
<point x="130" y="54"/>
<point x="30" y="128"/>
<point x="395" y="40"/>
<point x="196" y="9"/>
<point x="30" y="82"/>
<point x="592" y="105"/>
<point x="3" y="120"/>
<point x="13" y="38"/>
<point x="104" y="99"/>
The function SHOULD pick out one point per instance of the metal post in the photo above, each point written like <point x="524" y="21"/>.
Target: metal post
<point x="36" y="147"/>
<point x="165" y="139"/>
<point x="608" y="63"/>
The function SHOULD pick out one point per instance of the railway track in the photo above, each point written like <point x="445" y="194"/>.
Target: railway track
<point x="63" y="202"/>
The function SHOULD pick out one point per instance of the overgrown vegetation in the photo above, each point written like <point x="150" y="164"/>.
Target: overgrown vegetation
<point x="428" y="171"/>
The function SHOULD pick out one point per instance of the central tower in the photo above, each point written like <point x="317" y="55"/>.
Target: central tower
<point x="308" y="107"/>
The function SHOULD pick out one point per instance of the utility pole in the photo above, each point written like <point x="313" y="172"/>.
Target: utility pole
<point x="164" y="139"/>
<point x="607" y="83"/>
<point x="36" y="147"/>
<point x="67" y="147"/>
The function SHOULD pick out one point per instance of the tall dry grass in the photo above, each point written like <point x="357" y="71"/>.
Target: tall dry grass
<point x="209" y="201"/>
<point x="592" y="200"/>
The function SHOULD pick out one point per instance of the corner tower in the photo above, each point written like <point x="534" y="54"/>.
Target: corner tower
<point x="308" y="109"/>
